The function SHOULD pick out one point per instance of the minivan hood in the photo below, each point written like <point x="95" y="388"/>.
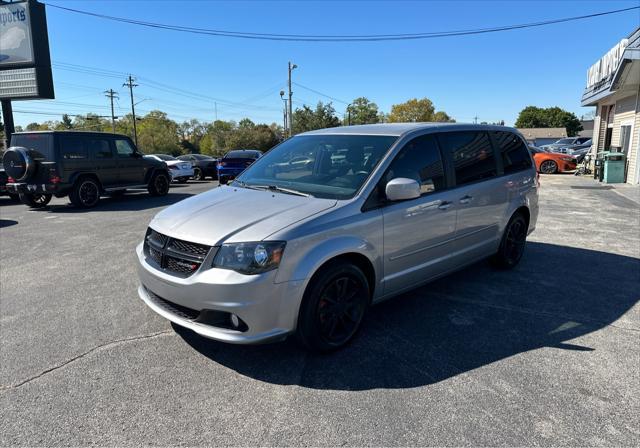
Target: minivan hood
<point x="234" y="214"/>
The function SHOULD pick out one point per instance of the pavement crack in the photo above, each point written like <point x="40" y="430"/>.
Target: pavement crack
<point x="106" y="345"/>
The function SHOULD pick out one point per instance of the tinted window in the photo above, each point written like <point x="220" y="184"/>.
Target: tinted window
<point x="124" y="148"/>
<point x="242" y="155"/>
<point x="42" y="143"/>
<point x="419" y="160"/>
<point x="513" y="152"/>
<point x="472" y="155"/>
<point x="201" y="157"/>
<point x="73" y="147"/>
<point x="99" y="148"/>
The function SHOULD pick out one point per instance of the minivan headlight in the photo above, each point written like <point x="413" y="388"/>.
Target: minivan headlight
<point x="250" y="258"/>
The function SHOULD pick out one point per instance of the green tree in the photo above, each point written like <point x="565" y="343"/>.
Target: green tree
<point x="550" y="117"/>
<point x="362" y="111"/>
<point x="192" y="132"/>
<point x="441" y="116"/>
<point x="66" y="122"/>
<point x="157" y="134"/>
<point x="411" y="111"/>
<point x="307" y="119"/>
<point x="214" y="141"/>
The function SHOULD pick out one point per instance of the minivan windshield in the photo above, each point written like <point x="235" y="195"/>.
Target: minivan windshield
<point x="324" y="166"/>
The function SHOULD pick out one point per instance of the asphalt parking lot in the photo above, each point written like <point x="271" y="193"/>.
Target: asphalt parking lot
<point x="547" y="354"/>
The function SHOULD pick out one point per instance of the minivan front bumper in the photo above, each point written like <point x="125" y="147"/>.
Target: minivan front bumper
<point x="268" y="309"/>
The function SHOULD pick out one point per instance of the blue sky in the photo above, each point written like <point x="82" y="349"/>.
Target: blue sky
<point x="491" y="76"/>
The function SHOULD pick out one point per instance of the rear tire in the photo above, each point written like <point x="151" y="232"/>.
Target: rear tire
<point x="333" y="307"/>
<point x="513" y="243"/>
<point x="159" y="184"/>
<point x="14" y="197"/>
<point x="39" y="200"/>
<point x="85" y="193"/>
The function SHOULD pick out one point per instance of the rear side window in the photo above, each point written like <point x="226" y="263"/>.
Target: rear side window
<point x="419" y="160"/>
<point x="124" y="148"/>
<point x="99" y="148"/>
<point x="513" y="151"/>
<point x="72" y="147"/>
<point x="42" y="143"/>
<point x="472" y="155"/>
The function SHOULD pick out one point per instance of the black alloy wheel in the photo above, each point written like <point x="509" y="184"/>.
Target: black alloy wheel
<point x="85" y="193"/>
<point x="333" y="307"/>
<point x="37" y="200"/>
<point x="159" y="185"/>
<point x="198" y="174"/>
<point x="513" y="242"/>
<point x="548" y="167"/>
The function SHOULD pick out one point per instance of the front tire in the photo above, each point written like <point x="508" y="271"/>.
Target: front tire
<point x="198" y="174"/>
<point x="333" y="307"/>
<point x="159" y="185"/>
<point x="39" y="200"/>
<point x="548" y="167"/>
<point x="85" y="193"/>
<point x="513" y="243"/>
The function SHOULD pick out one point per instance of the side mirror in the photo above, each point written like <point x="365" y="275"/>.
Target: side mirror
<point x="137" y="155"/>
<point x="402" y="188"/>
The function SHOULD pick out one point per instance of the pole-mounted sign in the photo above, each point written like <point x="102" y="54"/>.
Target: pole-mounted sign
<point x="25" y="63"/>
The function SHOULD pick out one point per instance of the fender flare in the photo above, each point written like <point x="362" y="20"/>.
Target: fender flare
<point x="326" y="250"/>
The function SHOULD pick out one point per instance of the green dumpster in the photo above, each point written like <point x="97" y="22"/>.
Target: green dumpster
<point x="613" y="167"/>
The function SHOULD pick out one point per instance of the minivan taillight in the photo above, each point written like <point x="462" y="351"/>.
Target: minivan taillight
<point x="55" y="179"/>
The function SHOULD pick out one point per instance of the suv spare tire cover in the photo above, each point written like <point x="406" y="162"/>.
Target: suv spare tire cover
<point x="18" y="163"/>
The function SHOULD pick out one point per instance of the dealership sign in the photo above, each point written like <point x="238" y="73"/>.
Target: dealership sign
<point x="606" y="66"/>
<point x="25" y="64"/>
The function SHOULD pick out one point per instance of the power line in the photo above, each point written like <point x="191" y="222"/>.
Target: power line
<point x="339" y="38"/>
<point x="320" y="93"/>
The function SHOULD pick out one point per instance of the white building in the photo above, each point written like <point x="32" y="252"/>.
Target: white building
<point x="613" y="87"/>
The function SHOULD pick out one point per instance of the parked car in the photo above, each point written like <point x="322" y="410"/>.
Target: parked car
<point x="81" y="165"/>
<point x="552" y="162"/>
<point x="235" y="162"/>
<point x="564" y="142"/>
<point x="203" y="166"/>
<point x="570" y="149"/>
<point x="179" y="170"/>
<point x="307" y="251"/>
<point x="3" y="186"/>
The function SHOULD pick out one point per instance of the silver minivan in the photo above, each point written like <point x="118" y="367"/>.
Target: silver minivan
<point x="332" y="221"/>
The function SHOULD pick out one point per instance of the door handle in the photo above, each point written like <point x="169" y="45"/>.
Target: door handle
<point x="466" y="199"/>
<point x="445" y="205"/>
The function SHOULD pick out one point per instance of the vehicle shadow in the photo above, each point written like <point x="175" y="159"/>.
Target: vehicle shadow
<point x="7" y="223"/>
<point x="131" y="201"/>
<point x="462" y="322"/>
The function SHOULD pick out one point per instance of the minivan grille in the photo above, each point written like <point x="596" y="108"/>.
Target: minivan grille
<point x="177" y="257"/>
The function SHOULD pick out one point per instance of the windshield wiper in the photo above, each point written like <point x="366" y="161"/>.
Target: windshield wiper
<point x="278" y="189"/>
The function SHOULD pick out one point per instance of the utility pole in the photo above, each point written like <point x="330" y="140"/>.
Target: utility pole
<point x="290" y="121"/>
<point x="215" y="105"/>
<point x="349" y="115"/>
<point x="111" y="94"/>
<point x="475" y="119"/>
<point x="131" y="85"/>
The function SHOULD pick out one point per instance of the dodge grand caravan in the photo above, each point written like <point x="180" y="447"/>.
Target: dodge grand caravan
<point x="290" y="248"/>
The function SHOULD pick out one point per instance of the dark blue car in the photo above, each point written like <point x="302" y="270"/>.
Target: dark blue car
<point x="235" y="162"/>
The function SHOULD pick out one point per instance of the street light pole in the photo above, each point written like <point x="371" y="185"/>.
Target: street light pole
<point x="290" y="121"/>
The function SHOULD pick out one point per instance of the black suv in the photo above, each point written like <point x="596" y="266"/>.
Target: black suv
<point x="81" y="165"/>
